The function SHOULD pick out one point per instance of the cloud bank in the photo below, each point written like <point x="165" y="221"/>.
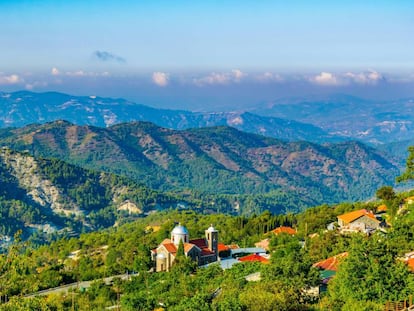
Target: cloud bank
<point x="370" y="77"/>
<point x="10" y="79"/>
<point x="235" y="75"/>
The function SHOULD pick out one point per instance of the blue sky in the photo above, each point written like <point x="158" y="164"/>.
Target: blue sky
<point x="80" y="45"/>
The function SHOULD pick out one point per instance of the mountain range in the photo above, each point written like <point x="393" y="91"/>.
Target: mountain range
<point x="215" y="160"/>
<point x="316" y="119"/>
<point x="23" y="108"/>
<point x="370" y="121"/>
<point x="106" y="161"/>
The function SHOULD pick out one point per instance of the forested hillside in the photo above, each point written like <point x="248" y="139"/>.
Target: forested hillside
<point x="50" y="196"/>
<point x="372" y="274"/>
<point x="218" y="160"/>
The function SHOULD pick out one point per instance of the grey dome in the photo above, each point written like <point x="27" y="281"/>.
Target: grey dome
<point x="179" y="230"/>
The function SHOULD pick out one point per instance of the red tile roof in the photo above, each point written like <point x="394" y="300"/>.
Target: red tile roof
<point x="222" y="247"/>
<point x="207" y="252"/>
<point x="170" y="247"/>
<point x="200" y="243"/>
<point x="254" y="258"/>
<point x="410" y="263"/>
<point x="331" y="263"/>
<point x="284" y="229"/>
<point x="352" y="216"/>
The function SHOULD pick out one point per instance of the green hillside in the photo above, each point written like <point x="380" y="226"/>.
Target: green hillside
<point x="217" y="160"/>
<point x="370" y="276"/>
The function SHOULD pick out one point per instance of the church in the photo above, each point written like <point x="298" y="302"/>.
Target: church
<point x="202" y="251"/>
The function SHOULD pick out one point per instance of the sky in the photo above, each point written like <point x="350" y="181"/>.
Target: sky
<point x="205" y="54"/>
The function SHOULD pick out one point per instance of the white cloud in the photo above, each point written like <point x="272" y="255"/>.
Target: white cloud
<point x="236" y="75"/>
<point x="160" y="78"/>
<point x="325" y="78"/>
<point x="10" y="79"/>
<point x="55" y="71"/>
<point x="368" y="77"/>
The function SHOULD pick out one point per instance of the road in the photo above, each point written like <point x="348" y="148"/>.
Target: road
<point x="84" y="284"/>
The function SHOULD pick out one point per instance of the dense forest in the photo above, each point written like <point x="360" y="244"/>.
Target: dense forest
<point x="214" y="160"/>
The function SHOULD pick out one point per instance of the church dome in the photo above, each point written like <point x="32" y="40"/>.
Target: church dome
<point x="180" y="230"/>
<point x="179" y="233"/>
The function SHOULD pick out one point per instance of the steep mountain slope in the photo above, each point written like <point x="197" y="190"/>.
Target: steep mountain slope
<point x="49" y="195"/>
<point x="23" y="108"/>
<point x="213" y="160"/>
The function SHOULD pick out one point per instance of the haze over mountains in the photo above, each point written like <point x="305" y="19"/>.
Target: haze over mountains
<point x="315" y="119"/>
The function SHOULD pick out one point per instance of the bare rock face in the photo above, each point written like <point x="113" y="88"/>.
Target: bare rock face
<point x="40" y="189"/>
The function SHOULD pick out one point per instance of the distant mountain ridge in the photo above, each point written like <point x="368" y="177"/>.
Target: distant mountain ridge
<point x="22" y="108"/>
<point x="212" y="160"/>
<point x="370" y="121"/>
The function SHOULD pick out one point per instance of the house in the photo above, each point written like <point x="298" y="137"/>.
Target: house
<point x="331" y="263"/>
<point x="329" y="266"/>
<point x="284" y="229"/>
<point x="254" y="258"/>
<point x="409" y="260"/>
<point x="358" y="221"/>
<point x="203" y="250"/>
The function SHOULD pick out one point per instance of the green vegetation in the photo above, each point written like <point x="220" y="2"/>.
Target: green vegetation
<point x="371" y="275"/>
<point x="217" y="160"/>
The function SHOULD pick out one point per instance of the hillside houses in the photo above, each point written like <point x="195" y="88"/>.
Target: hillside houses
<point x="358" y="221"/>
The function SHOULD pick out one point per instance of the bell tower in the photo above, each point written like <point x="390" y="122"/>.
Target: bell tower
<point x="212" y="239"/>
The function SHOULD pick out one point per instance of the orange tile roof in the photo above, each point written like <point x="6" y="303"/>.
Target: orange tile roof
<point x="382" y="208"/>
<point x="284" y="229"/>
<point x="352" y="216"/>
<point x="331" y="263"/>
<point x="170" y="247"/>
<point x="188" y="247"/>
<point x="410" y="263"/>
<point x="222" y="247"/>
<point x="254" y="258"/>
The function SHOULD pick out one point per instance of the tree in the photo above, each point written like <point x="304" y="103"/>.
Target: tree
<point x="371" y="272"/>
<point x="387" y="194"/>
<point x="409" y="167"/>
